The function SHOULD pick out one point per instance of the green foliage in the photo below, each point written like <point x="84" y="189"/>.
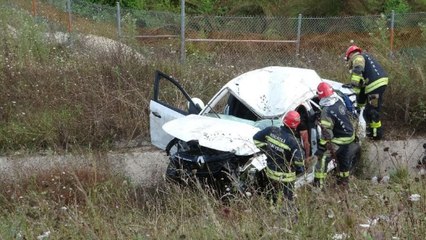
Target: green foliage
<point x="276" y="8"/>
<point x="321" y="8"/>
<point x="124" y="3"/>
<point x="159" y="5"/>
<point x="95" y="12"/>
<point x="31" y="47"/>
<point x="213" y="7"/>
<point x="399" y="6"/>
<point x="400" y="175"/>
<point x="39" y="130"/>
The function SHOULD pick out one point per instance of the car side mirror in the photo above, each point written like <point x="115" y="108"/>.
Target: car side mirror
<point x="195" y="106"/>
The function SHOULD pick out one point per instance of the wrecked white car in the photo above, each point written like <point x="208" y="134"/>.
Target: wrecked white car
<point x="213" y="142"/>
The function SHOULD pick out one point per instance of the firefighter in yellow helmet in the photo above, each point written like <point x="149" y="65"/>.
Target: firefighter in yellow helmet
<point x="369" y="80"/>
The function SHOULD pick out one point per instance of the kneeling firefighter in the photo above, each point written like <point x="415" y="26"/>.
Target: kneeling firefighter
<point x="285" y="155"/>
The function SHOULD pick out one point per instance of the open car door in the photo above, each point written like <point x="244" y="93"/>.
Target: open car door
<point x="170" y="101"/>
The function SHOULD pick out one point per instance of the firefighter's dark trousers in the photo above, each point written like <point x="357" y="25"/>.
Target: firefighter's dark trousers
<point x="343" y="160"/>
<point x="373" y="105"/>
<point x="281" y="182"/>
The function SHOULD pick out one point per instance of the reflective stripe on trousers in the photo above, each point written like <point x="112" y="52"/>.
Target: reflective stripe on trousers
<point x="320" y="170"/>
<point x="280" y="176"/>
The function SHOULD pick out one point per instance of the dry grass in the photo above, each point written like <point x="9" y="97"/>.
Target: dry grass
<point x="97" y="204"/>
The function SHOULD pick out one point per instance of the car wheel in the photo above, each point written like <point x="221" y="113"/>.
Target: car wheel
<point x="172" y="147"/>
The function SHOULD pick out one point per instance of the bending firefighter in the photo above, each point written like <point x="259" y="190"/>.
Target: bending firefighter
<point x="284" y="154"/>
<point x="369" y="80"/>
<point x="337" y="135"/>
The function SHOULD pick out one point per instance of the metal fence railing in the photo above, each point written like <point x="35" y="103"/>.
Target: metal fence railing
<point x="177" y="36"/>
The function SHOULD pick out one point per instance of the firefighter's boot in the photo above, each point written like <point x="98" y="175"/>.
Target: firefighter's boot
<point x="375" y="130"/>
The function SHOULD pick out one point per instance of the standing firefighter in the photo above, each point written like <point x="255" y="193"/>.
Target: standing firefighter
<point x="284" y="154"/>
<point x="369" y="80"/>
<point x="337" y="134"/>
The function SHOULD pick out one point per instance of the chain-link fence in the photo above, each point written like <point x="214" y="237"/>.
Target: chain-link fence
<point x="272" y="40"/>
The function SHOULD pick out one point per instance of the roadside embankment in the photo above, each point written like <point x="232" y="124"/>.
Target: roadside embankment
<point x="146" y="165"/>
<point x="384" y="157"/>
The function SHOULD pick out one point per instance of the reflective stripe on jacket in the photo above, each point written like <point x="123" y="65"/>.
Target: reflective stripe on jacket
<point x="336" y="125"/>
<point x="281" y="146"/>
<point x="367" y="72"/>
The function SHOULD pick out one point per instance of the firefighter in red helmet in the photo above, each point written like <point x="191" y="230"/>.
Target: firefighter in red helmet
<point x="284" y="154"/>
<point x="369" y="81"/>
<point x="337" y="134"/>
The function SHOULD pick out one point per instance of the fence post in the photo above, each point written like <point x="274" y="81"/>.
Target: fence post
<point x="118" y="20"/>
<point x="69" y="16"/>
<point x="34" y="8"/>
<point x="182" y="32"/>
<point x="392" y="32"/>
<point x="299" y="29"/>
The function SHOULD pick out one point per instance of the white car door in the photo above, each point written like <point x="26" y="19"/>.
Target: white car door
<point x="170" y="101"/>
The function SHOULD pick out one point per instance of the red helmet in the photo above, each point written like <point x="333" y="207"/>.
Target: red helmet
<point x="292" y="119"/>
<point x="324" y="90"/>
<point x="351" y="49"/>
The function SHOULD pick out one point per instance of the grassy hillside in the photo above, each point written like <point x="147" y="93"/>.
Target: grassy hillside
<point x="58" y="96"/>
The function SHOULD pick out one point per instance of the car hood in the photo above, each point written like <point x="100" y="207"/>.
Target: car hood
<point x="215" y="133"/>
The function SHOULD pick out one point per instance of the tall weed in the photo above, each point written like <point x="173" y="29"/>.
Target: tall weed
<point x="97" y="203"/>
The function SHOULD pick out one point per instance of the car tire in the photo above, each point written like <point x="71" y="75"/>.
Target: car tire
<point x="171" y="145"/>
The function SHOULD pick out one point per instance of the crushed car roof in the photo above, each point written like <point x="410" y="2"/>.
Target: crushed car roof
<point x="272" y="91"/>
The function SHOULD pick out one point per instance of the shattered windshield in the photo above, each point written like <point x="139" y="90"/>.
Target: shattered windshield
<point x="227" y="106"/>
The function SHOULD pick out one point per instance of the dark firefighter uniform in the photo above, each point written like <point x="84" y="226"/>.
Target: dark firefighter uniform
<point x="337" y="133"/>
<point x="284" y="156"/>
<point x="369" y="80"/>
